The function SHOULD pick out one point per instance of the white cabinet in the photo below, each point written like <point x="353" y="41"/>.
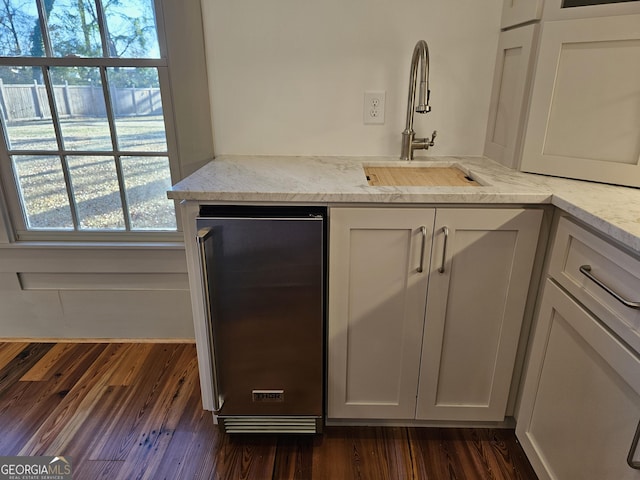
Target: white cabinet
<point x="580" y="403"/>
<point x="583" y="120"/>
<point x="515" y="12"/>
<point x="582" y="261"/>
<point x="566" y="91"/>
<point x="376" y="309"/>
<point x="511" y="88"/>
<point x="581" y="398"/>
<point x="477" y="291"/>
<point x="386" y="359"/>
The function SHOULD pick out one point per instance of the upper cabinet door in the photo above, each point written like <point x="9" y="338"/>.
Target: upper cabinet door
<point x="511" y="88"/>
<point x="583" y="120"/>
<point x="567" y="9"/>
<point x="515" y="12"/>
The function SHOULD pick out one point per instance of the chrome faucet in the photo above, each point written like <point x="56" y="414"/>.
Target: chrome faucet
<point x="409" y="142"/>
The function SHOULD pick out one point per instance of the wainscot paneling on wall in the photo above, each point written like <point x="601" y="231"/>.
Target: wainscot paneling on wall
<point x="117" y="292"/>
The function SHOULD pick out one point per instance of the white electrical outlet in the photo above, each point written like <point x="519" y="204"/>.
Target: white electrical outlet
<point x="373" y="111"/>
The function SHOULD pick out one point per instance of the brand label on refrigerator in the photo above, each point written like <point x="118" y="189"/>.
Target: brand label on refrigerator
<point x="268" y="396"/>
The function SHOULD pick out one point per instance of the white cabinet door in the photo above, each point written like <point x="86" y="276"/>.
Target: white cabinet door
<point x="583" y="120"/>
<point x="515" y="12"/>
<point x="581" y="397"/>
<point x="511" y="88"/>
<point x="376" y="310"/>
<point x="480" y="274"/>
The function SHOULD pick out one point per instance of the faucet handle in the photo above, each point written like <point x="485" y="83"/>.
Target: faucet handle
<point x="433" y="137"/>
<point x="420" y="143"/>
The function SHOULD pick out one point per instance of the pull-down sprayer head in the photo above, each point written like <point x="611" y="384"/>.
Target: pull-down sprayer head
<point x="423" y="91"/>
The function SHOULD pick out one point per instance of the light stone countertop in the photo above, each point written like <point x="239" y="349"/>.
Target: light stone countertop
<point x="612" y="210"/>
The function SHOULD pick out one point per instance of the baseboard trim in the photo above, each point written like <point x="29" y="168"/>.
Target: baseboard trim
<point x="508" y="422"/>
<point x="94" y="340"/>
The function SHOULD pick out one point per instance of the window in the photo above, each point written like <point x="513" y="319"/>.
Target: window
<point x="83" y="109"/>
<point x="584" y="3"/>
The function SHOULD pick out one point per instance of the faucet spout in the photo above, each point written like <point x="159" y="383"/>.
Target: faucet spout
<point x="421" y="56"/>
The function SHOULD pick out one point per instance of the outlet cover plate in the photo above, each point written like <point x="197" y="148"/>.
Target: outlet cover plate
<point x="373" y="107"/>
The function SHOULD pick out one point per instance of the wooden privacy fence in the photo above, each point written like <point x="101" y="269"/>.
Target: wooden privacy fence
<point x="30" y="102"/>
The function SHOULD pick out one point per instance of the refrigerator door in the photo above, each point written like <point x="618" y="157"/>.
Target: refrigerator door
<point x="266" y="285"/>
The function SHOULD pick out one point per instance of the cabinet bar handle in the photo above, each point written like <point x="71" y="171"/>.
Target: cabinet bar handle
<point x="634" y="446"/>
<point x="445" y="230"/>
<point x="202" y="236"/>
<point x="423" y="231"/>
<point x="586" y="270"/>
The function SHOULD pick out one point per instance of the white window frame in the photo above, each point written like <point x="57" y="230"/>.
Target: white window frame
<point x="18" y="229"/>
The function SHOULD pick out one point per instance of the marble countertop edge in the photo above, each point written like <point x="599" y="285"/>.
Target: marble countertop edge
<point x="612" y="210"/>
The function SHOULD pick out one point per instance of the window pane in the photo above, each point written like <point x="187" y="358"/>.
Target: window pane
<point x="147" y="180"/>
<point x="81" y="108"/>
<point x="43" y="192"/>
<point x="95" y="187"/>
<point x="137" y="107"/>
<point x="25" y="109"/>
<point x="20" y="32"/>
<point x="73" y="28"/>
<point x="131" y="29"/>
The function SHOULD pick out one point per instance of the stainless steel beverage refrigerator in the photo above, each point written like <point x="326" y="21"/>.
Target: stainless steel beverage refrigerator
<point x="263" y="275"/>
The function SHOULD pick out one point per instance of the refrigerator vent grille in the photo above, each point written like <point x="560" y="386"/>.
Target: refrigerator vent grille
<point x="271" y="424"/>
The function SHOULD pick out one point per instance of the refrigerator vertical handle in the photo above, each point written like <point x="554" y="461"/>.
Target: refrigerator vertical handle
<point x="202" y="236"/>
<point x="631" y="458"/>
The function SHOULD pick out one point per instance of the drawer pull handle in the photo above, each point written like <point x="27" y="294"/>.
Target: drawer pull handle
<point x="423" y="231"/>
<point x="445" y="231"/>
<point x="586" y="270"/>
<point x="634" y="446"/>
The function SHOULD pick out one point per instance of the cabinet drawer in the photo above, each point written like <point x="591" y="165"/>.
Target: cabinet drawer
<point x="601" y="276"/>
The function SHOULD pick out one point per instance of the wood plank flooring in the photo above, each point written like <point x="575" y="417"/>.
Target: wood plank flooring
<point x="132" y="411"/>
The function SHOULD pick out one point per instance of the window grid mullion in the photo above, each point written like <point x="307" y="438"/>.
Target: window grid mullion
<point x="82" y="62"/>
<point x="114" y="143"/>
<point x="123" y="194"/>
<point x="63" y="158"/>
<point x="93" y="153"/>
<point x="44" y="28"/>
<point x="70" y="195"/>
<point x="102" y="26"/>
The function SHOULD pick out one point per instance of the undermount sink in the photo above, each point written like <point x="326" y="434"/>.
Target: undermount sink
<point x="418" y="176"/>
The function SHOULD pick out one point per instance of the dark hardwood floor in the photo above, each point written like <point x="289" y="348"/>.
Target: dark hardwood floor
<point x="132" y="411"/>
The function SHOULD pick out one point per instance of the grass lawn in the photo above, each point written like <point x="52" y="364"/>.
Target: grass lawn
<point x="94" y="178"/>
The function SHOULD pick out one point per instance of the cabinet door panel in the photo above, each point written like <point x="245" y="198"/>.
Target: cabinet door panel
<point x="581" y="397"/>
<point x="474" y="311"/>
<point x="509" y="95"/>
<point x="376" y="310"/>
<point x="584" y="120"/>
<point x="515" y="12"/>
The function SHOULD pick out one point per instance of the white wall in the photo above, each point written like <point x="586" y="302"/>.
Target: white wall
<point x="288" y="76"/>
